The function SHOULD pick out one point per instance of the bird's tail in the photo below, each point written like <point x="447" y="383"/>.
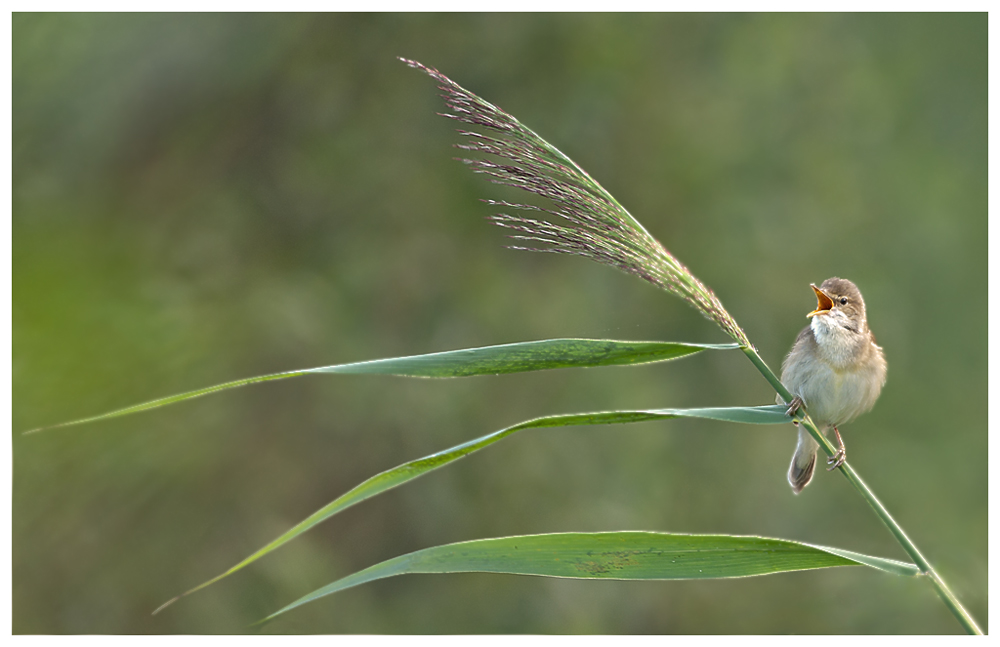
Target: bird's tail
<point x="800" y="472"/>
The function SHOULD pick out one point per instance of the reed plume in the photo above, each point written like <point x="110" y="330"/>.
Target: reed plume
<point x="583" y="219"/>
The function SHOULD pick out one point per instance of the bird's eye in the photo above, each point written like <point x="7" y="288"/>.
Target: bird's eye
<point x="843" y="301"/>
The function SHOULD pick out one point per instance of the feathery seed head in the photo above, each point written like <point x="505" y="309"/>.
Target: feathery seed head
<point x="583" y="220"/>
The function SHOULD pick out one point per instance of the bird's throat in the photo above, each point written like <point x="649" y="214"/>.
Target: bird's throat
<point x="838" y="345"/>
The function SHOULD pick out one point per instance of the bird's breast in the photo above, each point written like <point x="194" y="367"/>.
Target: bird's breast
<point x="833" y="394"/>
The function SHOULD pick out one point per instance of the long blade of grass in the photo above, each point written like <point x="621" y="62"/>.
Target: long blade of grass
<point x="614" y="555"/>
<point x="487" y="360"/>
<point x="771" y="414"/>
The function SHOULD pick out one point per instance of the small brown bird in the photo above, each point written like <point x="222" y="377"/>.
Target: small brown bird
<point x="835" y="369"/>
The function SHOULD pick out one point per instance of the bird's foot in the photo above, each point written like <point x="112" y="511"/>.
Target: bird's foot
<point x="840" y="456"/>
<point x="794" y="406"/>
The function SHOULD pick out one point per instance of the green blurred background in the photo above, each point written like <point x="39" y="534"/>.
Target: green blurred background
<point x="199" y="198"/>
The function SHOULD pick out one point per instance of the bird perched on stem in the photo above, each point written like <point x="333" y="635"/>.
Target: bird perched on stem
<point x="835" y="369"/>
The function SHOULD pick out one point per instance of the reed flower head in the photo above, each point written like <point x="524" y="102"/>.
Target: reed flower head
<point x="583" y="218"/>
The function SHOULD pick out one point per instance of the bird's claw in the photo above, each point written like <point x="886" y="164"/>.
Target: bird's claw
<point x="794" y="406"/>
<point x="839" y="456"/>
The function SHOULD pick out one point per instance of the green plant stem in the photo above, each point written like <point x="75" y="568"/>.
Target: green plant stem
<point x="963" y="616"/>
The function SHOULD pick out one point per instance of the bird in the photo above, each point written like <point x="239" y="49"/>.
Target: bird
<point x="835" y="369"/>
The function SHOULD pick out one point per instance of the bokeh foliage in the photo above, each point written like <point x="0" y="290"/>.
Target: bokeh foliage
<point x="203" y="198"/>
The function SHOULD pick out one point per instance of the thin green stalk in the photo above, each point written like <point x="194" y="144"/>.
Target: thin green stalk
<point x="949" y="598"/>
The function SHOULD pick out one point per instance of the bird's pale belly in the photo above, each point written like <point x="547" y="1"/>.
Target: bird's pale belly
<point x="835" y="397"/>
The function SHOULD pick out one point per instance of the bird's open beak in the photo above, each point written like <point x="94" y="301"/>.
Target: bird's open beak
<point x="823" y="302"/>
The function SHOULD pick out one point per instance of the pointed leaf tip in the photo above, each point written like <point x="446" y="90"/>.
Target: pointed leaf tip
<point x="166" y="604"/>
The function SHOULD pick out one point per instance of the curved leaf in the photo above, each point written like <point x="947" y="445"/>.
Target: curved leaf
<point x="488" y="360"/>
<point x="626" y="555"/>
<point x="770" y="414"/>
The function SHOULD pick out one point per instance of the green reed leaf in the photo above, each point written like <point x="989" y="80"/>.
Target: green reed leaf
<point x="763" y="415"/>
<point x="487" y="360"/>
<point x="614" y="555"/>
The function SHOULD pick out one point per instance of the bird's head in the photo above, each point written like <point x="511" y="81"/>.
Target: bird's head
<point x="839" y="303"/>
